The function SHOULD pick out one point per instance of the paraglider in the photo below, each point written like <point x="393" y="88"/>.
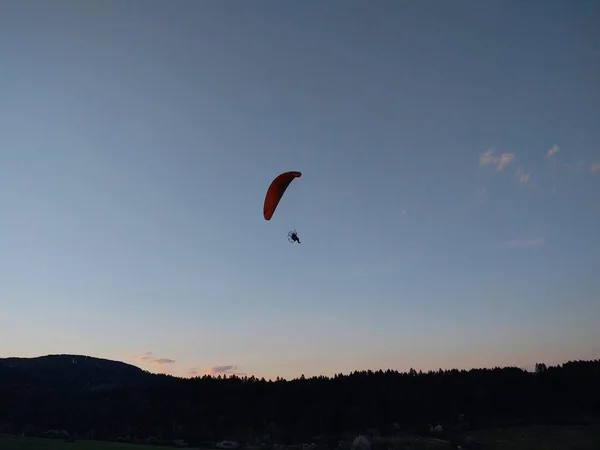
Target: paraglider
<point x="274" y="194"/>
<point x="293" y="237"/>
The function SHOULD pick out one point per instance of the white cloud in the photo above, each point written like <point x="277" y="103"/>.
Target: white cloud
<point x="504" y="160"/>
<point x="552" y="151"/>
<point x="486" y="158"/>
<point x="522" y="176"/>
<point x="499" y="162"/>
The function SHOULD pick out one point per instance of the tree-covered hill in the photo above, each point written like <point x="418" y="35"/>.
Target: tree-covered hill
<point x="91" y="396"/>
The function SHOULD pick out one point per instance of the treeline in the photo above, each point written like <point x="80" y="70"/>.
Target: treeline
<point x="251" y="409"/>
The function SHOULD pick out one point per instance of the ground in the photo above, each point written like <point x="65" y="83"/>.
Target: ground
<point x="539" y="437"/>
<point x="22" y="443"/>
<point x="515" y="438"/>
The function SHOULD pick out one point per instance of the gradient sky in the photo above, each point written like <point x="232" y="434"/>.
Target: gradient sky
<point x="449" y="207"/>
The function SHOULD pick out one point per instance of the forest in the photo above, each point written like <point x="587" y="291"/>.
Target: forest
<point x="94" y="398"/>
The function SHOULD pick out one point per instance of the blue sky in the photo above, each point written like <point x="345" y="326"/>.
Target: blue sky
<point x="449" y="205"/>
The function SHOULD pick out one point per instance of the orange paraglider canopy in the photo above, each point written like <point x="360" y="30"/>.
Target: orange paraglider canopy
<point x="276" y="191"/>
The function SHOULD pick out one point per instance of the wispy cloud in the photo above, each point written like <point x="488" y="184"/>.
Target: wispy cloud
<point x="522" y="176"/>
<point x="504" y="160"/>
<point x="595" y="167"/>
<point x="550" y="155"/>
<point x="192" y="372"/>
<point x="229" y="369"/>
<point x="149" y="358"/>
<point x="481" y="192"/>
<point x="527" y="242"/>
<point x="499" y="162"/>
<point x="486" y="158"/>
<point x="223" y="369"/>
<point x="552" y="151"/>
<point x="162" y="361"/>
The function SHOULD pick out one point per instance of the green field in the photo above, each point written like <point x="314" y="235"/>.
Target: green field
<point x="540" y="437"/>
<point x="533" y="437"/>
<point x="515" y="438"/>
<point x="22" y="443"/>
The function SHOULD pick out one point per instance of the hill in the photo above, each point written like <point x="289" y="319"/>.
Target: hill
<point x="73" y="372"/>
<point x="104" y="399"/>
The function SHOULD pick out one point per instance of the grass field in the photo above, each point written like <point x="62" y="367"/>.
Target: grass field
<point x="22" y="443"/>
<point x="540" y="437"/>
<point x="516" y="438"/>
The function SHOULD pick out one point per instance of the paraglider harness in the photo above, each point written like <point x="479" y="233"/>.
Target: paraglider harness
<point x="293" y="237"/>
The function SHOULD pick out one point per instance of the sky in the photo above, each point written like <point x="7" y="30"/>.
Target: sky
<point x="449" y="204"/>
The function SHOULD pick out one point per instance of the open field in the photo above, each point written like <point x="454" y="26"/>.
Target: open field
<point x="22" y="443"/>
<point x="540" y="437"/>
<point x="514" y="438"/>
<point x="533" y="437"/>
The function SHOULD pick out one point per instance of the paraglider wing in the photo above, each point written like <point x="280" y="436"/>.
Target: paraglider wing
<point x="275" y="192"/>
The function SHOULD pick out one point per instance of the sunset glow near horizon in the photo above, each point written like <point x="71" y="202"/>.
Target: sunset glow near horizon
<point x="449" y="204"/>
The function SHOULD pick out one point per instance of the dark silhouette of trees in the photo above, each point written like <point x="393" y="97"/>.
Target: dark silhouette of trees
<point x="106" y="399"/>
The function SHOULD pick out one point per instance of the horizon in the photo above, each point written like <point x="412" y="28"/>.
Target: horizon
<point x="228" y="374"/>
<point x="448" y="206"/>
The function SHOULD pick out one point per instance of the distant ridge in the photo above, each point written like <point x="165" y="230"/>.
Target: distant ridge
<point x="74" y="371"/>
